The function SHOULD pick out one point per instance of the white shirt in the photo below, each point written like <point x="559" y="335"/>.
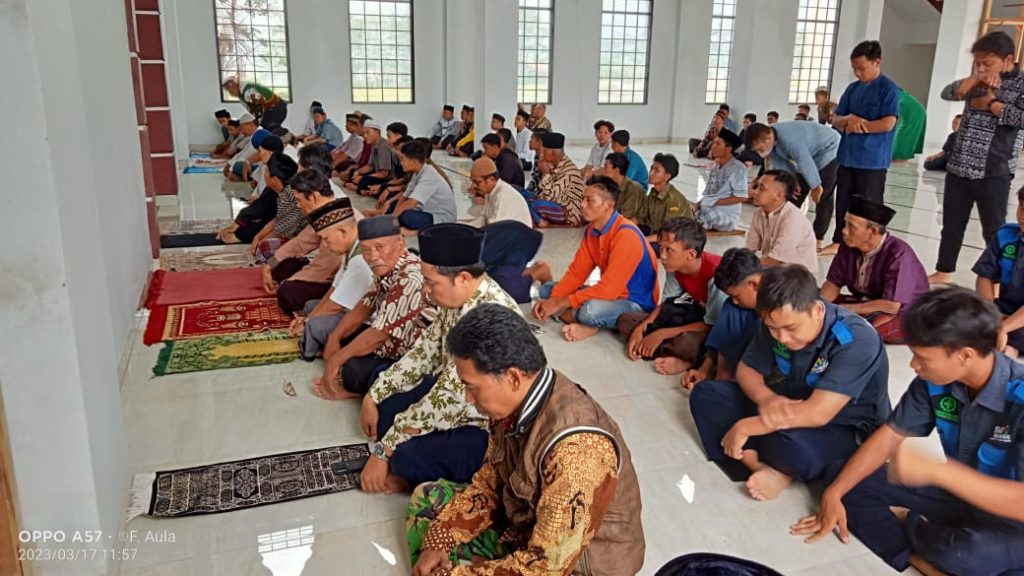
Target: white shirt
<point x="503" y="203"/>
<point x="523" y="145"/>
<point x="597" y="155"/>
<point x="351" y="283"/>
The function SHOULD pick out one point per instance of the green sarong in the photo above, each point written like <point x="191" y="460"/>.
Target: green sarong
<point x="909" y="139"/>
<point x="426" y="503"/>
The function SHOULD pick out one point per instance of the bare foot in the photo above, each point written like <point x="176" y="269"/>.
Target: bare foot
<point x="670" y="365"/>
<point x="540" y="272"/>
<point x="767" y="483"/>
<point x="328" y="392"/>
<point x="940" y="278"/>
<point x="543" y="223"/>
<point x="578" y="332"/>
<point x="829" y="250"/>
<point x="230" y="238"/>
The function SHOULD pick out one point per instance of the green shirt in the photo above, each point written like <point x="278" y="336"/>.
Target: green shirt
<point x="631" y="199"/>
<point x="257" y="98"/>
<point x="659" y="206"/>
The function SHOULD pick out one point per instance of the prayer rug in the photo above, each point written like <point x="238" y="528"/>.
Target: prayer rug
<point x="229" y="486"/>
<point x="235" y="256"/>
<point x="204" y="162"/>
<point x="183" y="321"/>
<point x="169" y="288"/>
<point x="190" y="240"/>
<point x="225" y="351"/>
<point x="203" y="170"/>
<point x="193" y="226"/>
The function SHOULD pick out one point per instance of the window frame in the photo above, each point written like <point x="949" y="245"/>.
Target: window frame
<point x="832" y="54"/>
<point x="551" y="55"/>
<point x="647" y="59"/>
<point x="412" y="57"/>
<point x="238" y="73"/>
<point x="732" y="44"/>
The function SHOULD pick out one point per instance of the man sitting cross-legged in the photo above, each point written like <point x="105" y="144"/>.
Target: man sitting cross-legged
<point x="632" y="196"/>
<point x="812" y="384"/>
<point x="664" y="201"/>
<point x="559" y="191"/>
<point x="1002" y="265"/>
<point x="881" y="271"/>
<point x="970" y="394"/>
<point x="738" y="275"/>
<point x="629" y="274"/>
<point x="557" y="493"/>
<point x="416" y="410"/>
<point x="722" y="204"/>
<point x="778" y="230"/>
<point x="356" y="352"/>
<point x="674" y="332"/>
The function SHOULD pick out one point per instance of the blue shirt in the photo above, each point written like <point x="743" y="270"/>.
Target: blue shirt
<point x="331" y="134"/>
<point x="872" y="101"/>
<point x="730" y="125"/>
<point x="804" y="147"/>
<point x="1000" y="264"/>
<point x="986" y="433"/>
<point x="732" y="332"/>
<point x="637" y="171"/>
<point x="847" y="358"/>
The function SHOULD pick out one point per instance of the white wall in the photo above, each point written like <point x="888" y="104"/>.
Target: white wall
<point x="75" y="215"/>
<point x="958" y="29"/>
<point x="465" y="53"/>
<point x="908" y="51"/>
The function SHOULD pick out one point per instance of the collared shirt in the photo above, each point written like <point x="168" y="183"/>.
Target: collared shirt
<point x="324" y="265"/>
<point x="986" y="145"/>
<point x="725" y="182"/>
<point x="847" y="358"/>
<point x="564" y="186"/>
<point x="510" y="168"/>
<point x="433" y="193"/>
<point x="631" y="199"/>
<point x="382" y="156"/>
<point x="867" y="260"/>
<point x="660" y="206"/>
<point x="1001" y="263"/>
<point x="503" y="203"/>
<point x="331" y="134"/>
<point x="637" y="171"/>
<point x="534" y="401"/>
<point x="871" y="101"/>
<point x="627" y="262"/>
<point x="805" y="148"/>
<point x="985" y="433"/>
<point x="523" y="145"/>
<point x="443" y="128"/>
<point x="784" y="235"/>
<point x="353" y="279"/>
<point x="445" y="406"/>
<point x="597" y="154"/>
<point x="399" y="309"/>
<point x="353" y="146"/>
<point x="534" y="123"/>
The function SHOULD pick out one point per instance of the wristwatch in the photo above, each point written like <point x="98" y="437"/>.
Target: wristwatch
<point x="379" y="452"/>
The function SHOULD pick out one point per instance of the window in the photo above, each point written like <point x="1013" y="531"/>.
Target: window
<point x="723" y="22"/>
<point x="252" y="44"/>
<point x="815" y="49"/>
<point x="380" y="37"/>
<point x="625" y="45"/>
<point x="536" y="22"/>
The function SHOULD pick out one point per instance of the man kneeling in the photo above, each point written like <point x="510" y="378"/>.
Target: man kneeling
<point x="811" y="385"/>
<point x="557" y="492"/>
<point x="970" y="394"/>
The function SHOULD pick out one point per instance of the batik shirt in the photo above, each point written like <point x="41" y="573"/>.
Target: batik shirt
<point x="290" y="219"/>
<point x="445" y="406"/>
<point x="987" y="145"/>
<point x="578" y="477"/>
<point x="564" y="186"/>
<point x="400" y="309"/>
<point x="534" y="123"/>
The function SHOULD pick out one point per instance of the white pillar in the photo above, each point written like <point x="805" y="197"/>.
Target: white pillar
<point x="958" y="29"/>
<point x="858" y="21"/>
<point x="500" y="47"/>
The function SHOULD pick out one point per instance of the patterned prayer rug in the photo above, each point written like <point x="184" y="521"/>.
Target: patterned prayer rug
<point x="190" y="240"/>
<point x="169" y="288"/>
<point x="193" y="226"/>
<point x="225" y="351"/>
<point x="247" y="483"/>
<point x="236" y="256"/>
<point x="182" y="321"/>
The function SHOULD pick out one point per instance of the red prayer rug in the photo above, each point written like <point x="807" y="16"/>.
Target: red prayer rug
<point x="170" y="288"/>
<point x="183" y="321"/>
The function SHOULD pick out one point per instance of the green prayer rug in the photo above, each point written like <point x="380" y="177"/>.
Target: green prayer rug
<point x="226" y="351"/>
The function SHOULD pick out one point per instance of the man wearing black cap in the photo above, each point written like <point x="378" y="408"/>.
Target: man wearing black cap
<point x="881" y="271"/>
<point x="510" y="169"/>
<point x="223" y="117"/>
<point x="560" y="190"/>
<point x="720" y="208"/>
<point x="462" y="145"/>
<point x="445" y="129"/>
<point x="808" y="150"/>
<point x="386" y="322"/>
<point x="416" y="410"/>
<point x="252" y="218"/>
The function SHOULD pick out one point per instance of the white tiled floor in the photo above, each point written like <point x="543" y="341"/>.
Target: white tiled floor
<point x="190" y="419"/>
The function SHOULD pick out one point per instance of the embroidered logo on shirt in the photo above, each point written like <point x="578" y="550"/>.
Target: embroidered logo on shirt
<point x="819" y="366"/>
<point x="948" y="409"/>
<point x="1001" y="434"/>
<point x="1010" y="251"/>
<point x="781" y="350"/>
